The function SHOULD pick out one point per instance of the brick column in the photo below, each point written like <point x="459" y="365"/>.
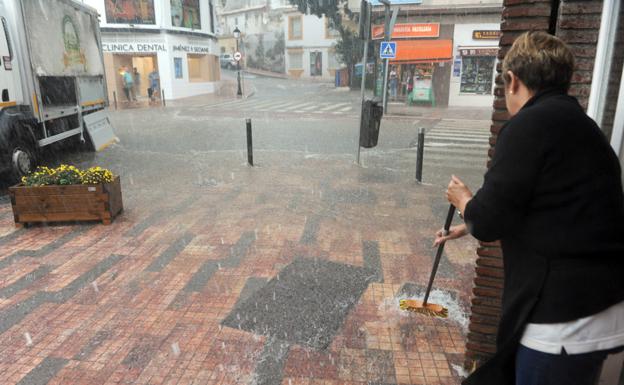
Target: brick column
<point x="578" y="25"/>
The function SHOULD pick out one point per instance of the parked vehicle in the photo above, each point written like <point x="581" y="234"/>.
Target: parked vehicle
<point x="227" y="61"/>
<point x="51" y="78"/>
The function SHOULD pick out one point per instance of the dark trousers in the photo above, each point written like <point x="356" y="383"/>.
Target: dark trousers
<point x="537" y="368"/>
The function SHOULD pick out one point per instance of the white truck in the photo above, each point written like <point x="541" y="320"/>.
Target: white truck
<point x="52" y="81"/>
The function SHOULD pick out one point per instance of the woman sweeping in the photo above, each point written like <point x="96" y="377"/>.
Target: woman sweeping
<point x="553" y="197"/>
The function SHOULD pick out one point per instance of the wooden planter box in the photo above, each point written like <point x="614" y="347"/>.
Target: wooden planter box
<point x="101" y="202"/>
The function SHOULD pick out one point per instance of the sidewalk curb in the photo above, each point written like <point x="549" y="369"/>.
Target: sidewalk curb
<point x="267" y="74"/>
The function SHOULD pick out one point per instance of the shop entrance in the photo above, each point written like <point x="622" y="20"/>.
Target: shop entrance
<point x="144" y="64"/>
<point x="422" y="72"/>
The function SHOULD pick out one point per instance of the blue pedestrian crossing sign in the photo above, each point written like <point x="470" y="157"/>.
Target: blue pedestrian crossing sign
<point x="387" y="50"/>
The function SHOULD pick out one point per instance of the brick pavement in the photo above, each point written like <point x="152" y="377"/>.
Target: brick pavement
<point x="276" y="274"/>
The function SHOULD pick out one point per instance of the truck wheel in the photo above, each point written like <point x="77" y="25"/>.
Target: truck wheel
<point x="23" y="159"/>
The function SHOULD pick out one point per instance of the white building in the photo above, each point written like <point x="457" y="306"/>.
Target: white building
<point x="475" y="48"/>
<point x="262" y="38"/>
<point x="310" y="45"/>
<point x="176" y="38"/>
<point x="445" y="50"/>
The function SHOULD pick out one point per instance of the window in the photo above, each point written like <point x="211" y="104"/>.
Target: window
<point x="330" y="33"/>
<point x="295" y="28"/>
<point x="177" y="65"/>
<point x="202" y="68"/>
<point x="295" y="60"/>
<point x="316" y="64"/>
<point x="212" y="17"/>
<point x="477" y="73"/>
<point x="333" y="62"/>
<point x="130" y="12"/>
<point x="185" y="13"/>
<point x="5" y="28"/>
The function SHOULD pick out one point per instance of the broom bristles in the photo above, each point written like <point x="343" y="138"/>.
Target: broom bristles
<point x="431" y="309"/>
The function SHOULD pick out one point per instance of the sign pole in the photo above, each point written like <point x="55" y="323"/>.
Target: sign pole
<point x="387" y="37"/>
<point x="365" y="13"/>
<point x="390" y="21"/>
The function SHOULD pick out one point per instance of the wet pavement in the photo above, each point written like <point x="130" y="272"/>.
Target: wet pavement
<point x="289" y="272"/>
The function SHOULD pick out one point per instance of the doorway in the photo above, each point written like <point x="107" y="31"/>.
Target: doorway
<point x="144" y="64"/>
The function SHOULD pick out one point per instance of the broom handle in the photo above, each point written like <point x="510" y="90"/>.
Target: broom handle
<point x="436" y="261"/>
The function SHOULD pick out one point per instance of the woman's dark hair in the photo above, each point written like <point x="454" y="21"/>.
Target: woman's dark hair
<point x="540" y="61"/>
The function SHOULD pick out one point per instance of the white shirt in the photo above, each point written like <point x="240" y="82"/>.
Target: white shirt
<point x="601" y="331"/>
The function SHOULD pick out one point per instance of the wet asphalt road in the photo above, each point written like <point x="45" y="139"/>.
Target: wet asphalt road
<point x="191" y="127"/>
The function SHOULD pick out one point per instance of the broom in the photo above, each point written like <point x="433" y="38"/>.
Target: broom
<point x="431" y="309"/>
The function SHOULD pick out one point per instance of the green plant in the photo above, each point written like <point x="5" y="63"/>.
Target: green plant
<point x="67" y="175"/>
<point x="97" y="175"/>
<point x="42" y="176"/>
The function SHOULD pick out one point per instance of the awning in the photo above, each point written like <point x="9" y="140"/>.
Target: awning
<point x="423" y="51"/>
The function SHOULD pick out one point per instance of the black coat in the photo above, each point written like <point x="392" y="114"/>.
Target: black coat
<point x="553" y="196"/>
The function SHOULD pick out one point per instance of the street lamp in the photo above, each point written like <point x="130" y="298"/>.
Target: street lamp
<point x="237" y="34"/>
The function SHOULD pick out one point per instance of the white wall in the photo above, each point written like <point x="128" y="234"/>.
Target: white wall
<point x="463" y="37"/>
<point x="182" y="88"/>
<point x="253" y="25"/>
<point x="314" y="39"/>
<point x="173" y="88"/>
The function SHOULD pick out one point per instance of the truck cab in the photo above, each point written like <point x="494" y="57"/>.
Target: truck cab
<point x="10" y="92"/>
<point x="18" y="147"/>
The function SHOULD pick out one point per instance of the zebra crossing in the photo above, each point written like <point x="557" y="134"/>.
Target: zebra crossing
<point x="458" y="143"/>
<point x="300" y="106"/>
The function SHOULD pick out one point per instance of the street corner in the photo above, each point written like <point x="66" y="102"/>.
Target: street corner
<point x="297" y="276"/>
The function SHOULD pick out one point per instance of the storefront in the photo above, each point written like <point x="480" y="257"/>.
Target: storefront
<point x="184" y="67"/>
<point x="474" y="65"/>
<point x="424" y="52"/>
<point x="173" y="40"/>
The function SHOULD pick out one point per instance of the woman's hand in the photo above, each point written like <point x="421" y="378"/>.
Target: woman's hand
<point x="458" y="193"/>
<point x="454" y="233"/>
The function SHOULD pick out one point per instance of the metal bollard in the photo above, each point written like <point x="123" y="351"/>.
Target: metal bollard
<point x="249" y="145"/>
<point x="115" y="98"/>
<point x="162" y="94"/>
<point x="420" y="153"/>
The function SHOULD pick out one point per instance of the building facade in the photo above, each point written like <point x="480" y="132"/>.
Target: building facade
<point x="475" y="48"/>
<point x="310" y="42"/>
<point x="262" y="38"/>
<point x="175" y="39"/>
<point x="446" y="52"/>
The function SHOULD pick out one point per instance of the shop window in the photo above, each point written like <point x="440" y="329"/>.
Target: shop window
<point x="202" y="68"/>
<point x="476" y="76"/>
<point x="130" y="12"/>
<point x="316" y="64"/>
<point x="295" y="60"/>
<point x="177" y="66"/>
<point x="295" y="28"/>
<point x="185" y="13"/>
